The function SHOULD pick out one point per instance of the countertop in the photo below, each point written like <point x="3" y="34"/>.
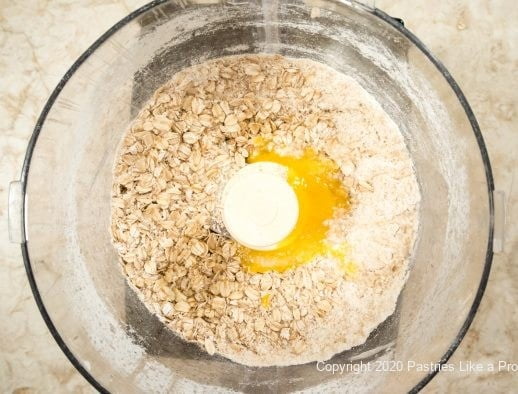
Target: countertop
<point x="477" y="40"/>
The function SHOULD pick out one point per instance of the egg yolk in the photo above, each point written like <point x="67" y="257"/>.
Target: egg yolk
<point x="316" y="181"/>
<point x="265" y="300"/>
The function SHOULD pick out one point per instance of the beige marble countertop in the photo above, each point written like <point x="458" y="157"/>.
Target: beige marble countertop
<point x="476" y="39"/>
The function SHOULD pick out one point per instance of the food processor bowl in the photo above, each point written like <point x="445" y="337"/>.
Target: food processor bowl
<point x="60" y="210"/>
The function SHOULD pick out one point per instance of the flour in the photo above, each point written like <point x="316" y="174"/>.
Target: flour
<point x="196" y="131"/>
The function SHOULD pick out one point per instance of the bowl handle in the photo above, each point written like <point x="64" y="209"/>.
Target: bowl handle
<point x="14" y="213"/>
<point x="500" y="219"/>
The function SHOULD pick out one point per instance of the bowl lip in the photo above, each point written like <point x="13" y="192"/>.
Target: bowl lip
<point x="395" y="23"/>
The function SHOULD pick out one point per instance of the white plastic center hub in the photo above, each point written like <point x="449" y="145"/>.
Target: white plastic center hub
<point x="260" y="208"/>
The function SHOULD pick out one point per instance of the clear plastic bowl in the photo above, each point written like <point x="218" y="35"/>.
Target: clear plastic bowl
<point x="64" y="195"/>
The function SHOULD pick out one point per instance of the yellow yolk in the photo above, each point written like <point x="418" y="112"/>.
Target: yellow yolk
<point x="265" y="300"/>
<point x="319" y="190"/>
<point x="340" y="252"/>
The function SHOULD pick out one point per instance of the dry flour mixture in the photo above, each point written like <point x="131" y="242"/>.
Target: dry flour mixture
<point x="322" y="295"/>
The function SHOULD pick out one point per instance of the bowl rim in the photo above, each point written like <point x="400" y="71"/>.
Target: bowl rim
<point x="396" y="23"/>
